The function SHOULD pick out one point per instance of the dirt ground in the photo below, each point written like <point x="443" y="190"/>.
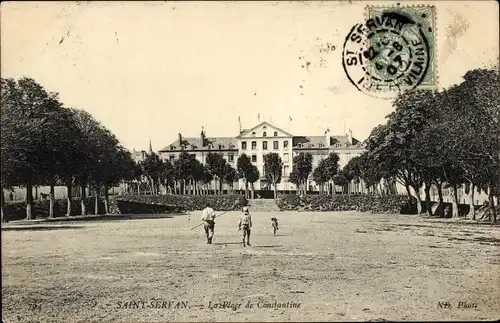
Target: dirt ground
<point x="332" y="266"/>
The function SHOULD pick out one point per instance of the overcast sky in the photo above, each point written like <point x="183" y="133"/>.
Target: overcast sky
<point x="152" y="70"/>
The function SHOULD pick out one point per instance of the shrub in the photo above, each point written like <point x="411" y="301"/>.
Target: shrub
<point x="174" y="203"/>
<point x="344" y="202"/>
<point x="40" y="208"/>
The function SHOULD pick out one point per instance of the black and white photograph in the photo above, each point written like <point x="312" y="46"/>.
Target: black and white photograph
<point x="250" y="161"/>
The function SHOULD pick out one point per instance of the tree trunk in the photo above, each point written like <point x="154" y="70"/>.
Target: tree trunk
<point x="427" y="190"/>
<point x="29" y="200"/>
<point x="106" y="199"/>
<point x="275" y="191"/>
<point x="253" y="191"/>
<point x="455" y="202"/>
<point x="472" y="209"/>
<point x="69" y="188"/>
<point x="82" y="201"/>
<point x="2" y="205"/>
<point x="96" y="202"/>
<point x="491" y="202"/>
<point x="407" y="186"/>
<point x="419" y="200"/>
<point x="51" y="201"/>
<point x="437" y="210"/>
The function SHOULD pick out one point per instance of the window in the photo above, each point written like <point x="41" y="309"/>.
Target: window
<point x="171" y="157"/>
<point x="276" y="145"/>
<point x="254" y="145"/>
<point x="276" y="134"/>
<point x="264" y="145"/>
<point x="231" y="157"/>
<point x="285" y="157"/>
<point x="244" y="145"/>
<point x="264" y="134"/>
<point x="253" y="133"/>
<point x="254" y="158"/>
<point x="221" y="146"/>
<point x="285" y="144"/>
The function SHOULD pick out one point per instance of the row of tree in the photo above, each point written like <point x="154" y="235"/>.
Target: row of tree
<point x="446" y="139"/>
<point x="45" y="143"/>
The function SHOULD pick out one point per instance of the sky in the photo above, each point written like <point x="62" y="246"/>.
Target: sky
<point x="151" y="70"/>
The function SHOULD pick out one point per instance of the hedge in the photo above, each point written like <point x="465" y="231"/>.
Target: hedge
<point x="40" y="208"/>
<point x="174" y="203"/>
<point x="344" y="202"/>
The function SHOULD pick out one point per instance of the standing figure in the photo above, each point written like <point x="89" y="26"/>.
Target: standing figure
<point x="208" y="219"/>
<point x="245" y="225"/>
<point x="447" y="211"/>
<point x="275" y="225"/>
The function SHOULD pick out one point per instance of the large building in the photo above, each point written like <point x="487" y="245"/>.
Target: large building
<point x="262" y="139"/>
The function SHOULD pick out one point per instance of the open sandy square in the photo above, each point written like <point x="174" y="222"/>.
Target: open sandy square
<point x="340" y="266"/>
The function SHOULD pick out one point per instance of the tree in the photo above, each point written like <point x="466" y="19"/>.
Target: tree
<point x="470" y="130"/>
<point x="302" y="167"/>
<point x="245" y="168"/>
<point x="253" y="176"/>
<point x="182" y="171"/>
<point x="341" y="180"/>
<point x="331" y="165"/>
<point x="216" y="165"/>
<point x="153" y="168"/>
<point x="230" y="176"/>
<point x="30" y="121"/>
<point x="294" y="179"/>
<point x="273" y="170"/>
<point x="320" y="175"/>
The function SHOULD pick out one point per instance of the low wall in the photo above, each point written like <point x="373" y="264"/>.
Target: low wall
<point x="343" y="202"/>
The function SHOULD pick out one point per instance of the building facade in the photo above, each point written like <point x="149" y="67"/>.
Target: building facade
<point x="262" y="139"/>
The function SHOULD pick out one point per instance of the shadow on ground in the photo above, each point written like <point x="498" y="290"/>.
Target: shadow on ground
<point x="107" y="218"/>
<point x="43" y="228"/>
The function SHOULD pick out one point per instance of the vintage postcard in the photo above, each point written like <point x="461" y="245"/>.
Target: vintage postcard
<point x="257" y="161"/>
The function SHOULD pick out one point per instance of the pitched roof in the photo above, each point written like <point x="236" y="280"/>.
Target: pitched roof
<point x="319" y="141"/>
<point x="192" y="143"/>
<point x="260" y="124"/>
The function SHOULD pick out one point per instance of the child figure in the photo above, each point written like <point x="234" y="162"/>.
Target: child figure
<point x="245" y="225"/>
<point x="275" y="225"/>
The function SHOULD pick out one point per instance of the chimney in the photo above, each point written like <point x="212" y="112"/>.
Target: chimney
<point x="202" y="137"/>
<point x="350" y="137"/>
<point x="180" y="140"/>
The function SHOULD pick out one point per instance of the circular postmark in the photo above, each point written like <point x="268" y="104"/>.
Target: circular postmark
<point x="387" y="54"/>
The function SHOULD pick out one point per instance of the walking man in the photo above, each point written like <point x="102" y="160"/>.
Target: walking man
<point x="245" y="225"/>
<point x="208" y="219"/>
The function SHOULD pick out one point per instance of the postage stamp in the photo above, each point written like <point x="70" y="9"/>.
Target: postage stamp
<point x="392" y="51"/>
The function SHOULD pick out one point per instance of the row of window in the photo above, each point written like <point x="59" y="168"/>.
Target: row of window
<point x="276" y="145"/>
<point x="286" y="158"/>
<point x="264" y="134"/>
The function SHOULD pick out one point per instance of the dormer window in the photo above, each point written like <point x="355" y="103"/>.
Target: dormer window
<point x="264" y="127"/>
<point x="276" y="134"/>
<point x="299" y="145"/>
<point x="209" y="146"/>
<point x="221" y="146"/>
<point x="338" y="145"/>
<point x="264" y="134"/>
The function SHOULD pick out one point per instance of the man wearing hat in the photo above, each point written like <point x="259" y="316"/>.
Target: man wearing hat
<point x="245" y="225"/>
<point x="208" y="219"/>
